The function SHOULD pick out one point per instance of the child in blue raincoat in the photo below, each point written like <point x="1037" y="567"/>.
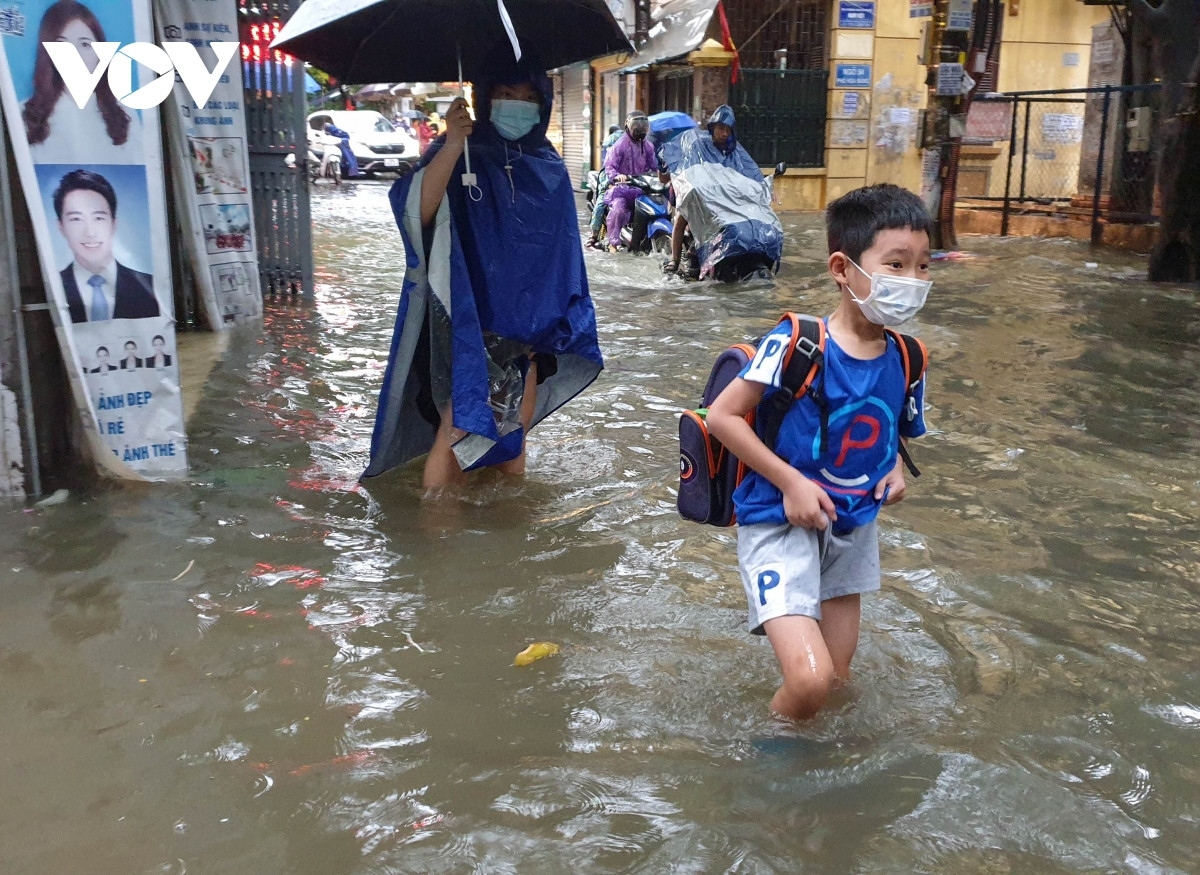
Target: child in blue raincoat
<point x="495" y="328"/>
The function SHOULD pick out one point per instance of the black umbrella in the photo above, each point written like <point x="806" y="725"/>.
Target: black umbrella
<point x="422" y="40"/>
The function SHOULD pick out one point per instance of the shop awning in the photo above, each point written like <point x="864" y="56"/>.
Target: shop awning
<point x="678" y="27"/>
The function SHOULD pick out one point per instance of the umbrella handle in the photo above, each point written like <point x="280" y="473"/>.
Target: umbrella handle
<point x="468" y="179"/>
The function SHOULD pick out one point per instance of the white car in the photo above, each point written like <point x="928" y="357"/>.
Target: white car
<point x="377" y="144"/>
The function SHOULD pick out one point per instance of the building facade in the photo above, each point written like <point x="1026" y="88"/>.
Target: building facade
<point x="835" y="89"/>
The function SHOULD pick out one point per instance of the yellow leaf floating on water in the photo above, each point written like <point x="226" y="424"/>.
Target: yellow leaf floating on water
<point x="534" y="652"/>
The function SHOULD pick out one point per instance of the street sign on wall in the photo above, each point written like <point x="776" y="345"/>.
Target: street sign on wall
<point x="852" y="76"/>
<point x="856" y="13"/>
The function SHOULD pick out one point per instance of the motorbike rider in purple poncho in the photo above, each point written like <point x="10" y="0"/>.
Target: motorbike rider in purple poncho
<point x="495" y="328"/>
<point x="632" y="155"/>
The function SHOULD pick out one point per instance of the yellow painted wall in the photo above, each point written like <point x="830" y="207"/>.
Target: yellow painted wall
<point x="1032" y="57"/>
<point x="895" y="112"/>
<point x="801" y="188"/>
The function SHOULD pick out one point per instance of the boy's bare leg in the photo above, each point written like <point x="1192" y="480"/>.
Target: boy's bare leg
<point x="808" y="672"/>
<point x="839" y="627"/>
<point x="516" y="467"/>
<point x="807" y="664"/>
<point x="441" y="465"/>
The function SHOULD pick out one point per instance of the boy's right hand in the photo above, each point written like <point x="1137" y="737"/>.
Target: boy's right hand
<point x="807" y="505"/>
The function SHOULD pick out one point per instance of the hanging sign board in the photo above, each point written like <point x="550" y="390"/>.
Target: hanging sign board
<point x="949" y="79"/>
<point x="88" y="155"/>
<point x="208" y="155"/>
<point x="989" y="120"/>
<point x="961" y="15"/>
<point x="920" y="8"/>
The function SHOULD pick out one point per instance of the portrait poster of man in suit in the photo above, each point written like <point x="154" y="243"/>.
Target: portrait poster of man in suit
<point x="97" y="285"/>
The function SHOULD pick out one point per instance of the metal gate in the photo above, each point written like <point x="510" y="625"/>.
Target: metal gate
<point x="576" y="127"/>
<point x="275" y="110"/>
<point x="781" y="115"/>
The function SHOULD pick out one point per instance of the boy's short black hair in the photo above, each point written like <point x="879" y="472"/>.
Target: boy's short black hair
<point x="853" y="220"/>
<point x="87" y="180"/>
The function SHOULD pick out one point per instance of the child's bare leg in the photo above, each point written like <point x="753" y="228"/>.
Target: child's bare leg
<point x="808" y="671"/>
<point x="839" y="627"/>
<point x="441" y="465"/>
<point x="516" y="467"/>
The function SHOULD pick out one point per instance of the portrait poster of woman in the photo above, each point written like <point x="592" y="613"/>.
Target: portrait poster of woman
<point x="58" y="131"/>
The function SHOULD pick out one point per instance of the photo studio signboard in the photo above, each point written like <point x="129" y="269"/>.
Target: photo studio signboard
<point x="206" y="125"/>
<point x="88" y="152"/>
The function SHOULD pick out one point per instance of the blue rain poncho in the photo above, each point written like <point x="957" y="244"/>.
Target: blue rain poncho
<point x="344" y="145"/>
<point x="498" y="277"/>
<point x="723" y="195"/>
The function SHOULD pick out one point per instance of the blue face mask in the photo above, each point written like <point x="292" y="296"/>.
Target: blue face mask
<point x="513" y="119"/>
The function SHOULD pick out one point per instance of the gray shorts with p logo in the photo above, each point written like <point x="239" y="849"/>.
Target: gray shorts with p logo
<point x="788" y="571"/>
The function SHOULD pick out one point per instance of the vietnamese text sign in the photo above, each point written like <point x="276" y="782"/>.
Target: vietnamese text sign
<point x="856" y="13"/>
<point x="852" y="76"/>
<point x="208" y="150"/>
<point x="961" y="15"/>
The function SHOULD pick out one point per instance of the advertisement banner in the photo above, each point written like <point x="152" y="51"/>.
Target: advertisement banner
<point x="85" y="139"/>
<point x="207" y="142"/>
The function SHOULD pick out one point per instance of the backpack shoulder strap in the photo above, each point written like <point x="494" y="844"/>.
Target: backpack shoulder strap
<point x="808" y="335"/>
<point x="806" y="354"/>
<point x="916" y="358"/>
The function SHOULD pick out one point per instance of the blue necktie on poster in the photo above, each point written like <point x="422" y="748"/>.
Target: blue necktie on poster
<point x="99" y="302"/>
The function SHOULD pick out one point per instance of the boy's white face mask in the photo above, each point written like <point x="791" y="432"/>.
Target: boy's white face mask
<point x="893" y="299"/>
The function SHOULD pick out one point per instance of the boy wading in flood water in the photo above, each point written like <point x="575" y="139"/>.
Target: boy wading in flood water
<point x="808" y="546"/>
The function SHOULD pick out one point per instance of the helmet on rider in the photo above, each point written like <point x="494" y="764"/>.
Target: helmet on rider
<point x="637" y="125"/>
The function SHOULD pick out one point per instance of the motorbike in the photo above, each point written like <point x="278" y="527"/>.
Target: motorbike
<point x="649" y="228"/>
<point x="739" y="257"/>
<point x="591" y="187"/>
<point x="728" y="207"/>
<point x="315" y="159"/>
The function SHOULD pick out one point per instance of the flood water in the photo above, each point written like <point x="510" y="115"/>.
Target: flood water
<point x="271" y="669"/>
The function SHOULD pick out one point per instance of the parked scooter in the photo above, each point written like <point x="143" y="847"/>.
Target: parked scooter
<point x="649" y="227"/>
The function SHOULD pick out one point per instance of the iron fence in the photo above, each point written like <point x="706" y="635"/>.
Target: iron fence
<point x="1085" y="153"/>
<point x="781" y="115"/>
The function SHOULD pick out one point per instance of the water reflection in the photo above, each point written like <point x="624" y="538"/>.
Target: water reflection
<point x="273" y="668"/>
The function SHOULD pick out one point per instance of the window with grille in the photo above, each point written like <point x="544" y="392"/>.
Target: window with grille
<point x="672" y="92"/>
<point x="760" y="27"/>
